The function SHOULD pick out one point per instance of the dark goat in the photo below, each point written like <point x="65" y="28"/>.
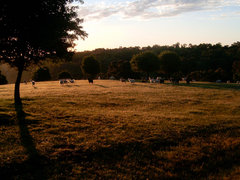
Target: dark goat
<point x="90" y="80"/>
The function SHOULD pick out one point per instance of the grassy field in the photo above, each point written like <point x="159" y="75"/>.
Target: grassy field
<point x="114" y="130"/>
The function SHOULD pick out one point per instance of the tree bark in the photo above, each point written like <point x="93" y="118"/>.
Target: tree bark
<point x="17" y="98"/>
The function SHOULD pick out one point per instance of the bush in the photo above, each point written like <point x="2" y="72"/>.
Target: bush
<point x="3" y="79"/>
<point x="42" y="74"/>
<point x="64" y="75"/>
<point x="90" y="66"/>
<point x="169" y="63"/>
<point x="146" y="62"/>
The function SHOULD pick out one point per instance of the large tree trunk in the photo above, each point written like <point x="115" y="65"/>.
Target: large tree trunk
<point x="17" y="98"/>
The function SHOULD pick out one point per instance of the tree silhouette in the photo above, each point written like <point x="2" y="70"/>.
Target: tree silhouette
<point x="64" y="75"/>
<point x="90" y="66"/>
<point x="42" y="74"/>
<point x="31" y="31"/>
<point x="120" y="69"/>
<point x="169" y="63"/>
<point x="3" y="79"/>
<point x="146" y="62"/>
<point x="236" y="70"/>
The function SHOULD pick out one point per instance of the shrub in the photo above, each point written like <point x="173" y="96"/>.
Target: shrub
<point x="146" y="62"/>
<point x="42" y="74"/>
<point x="169" y="62"/>
<point x="64" y="75"/>
<point x="90" y="66"/>
<point x="3" y="79"/>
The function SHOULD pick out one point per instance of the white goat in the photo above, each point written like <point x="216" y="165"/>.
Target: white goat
<point x="71" y="80"/>
<point x="122" y="80"/>
<point x="152" y="80"/>
<point x="131" y="80"/>
<point x="33" y="83"/>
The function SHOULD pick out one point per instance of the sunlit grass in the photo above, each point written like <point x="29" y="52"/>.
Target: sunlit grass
<point x="120" y="130"/>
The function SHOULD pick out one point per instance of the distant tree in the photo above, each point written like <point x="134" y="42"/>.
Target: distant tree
<point x="220" y="74"/>
<point x="169" y="63"/>
<point x="3" y="79"/>
<point x="196" y="75"/>
<point x="146" y="62"/>
<point x="64" y="75"/>
<point x="31" y="31"/>
<point x="90" y="66"/>
<point x="42" y="74"/>
<point x="194" y="58"/>
<point x="120" y="69"/>
<point x="236" y="70"/>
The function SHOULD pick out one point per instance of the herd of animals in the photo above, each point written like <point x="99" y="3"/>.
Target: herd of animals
<point x="151" y="80"/>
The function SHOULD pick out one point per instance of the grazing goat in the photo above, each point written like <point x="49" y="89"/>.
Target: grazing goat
<point x="122" y="80"/>
<point x="90" y="80"/>
<point x="71" y="80"/>
<point x="152" y="80"/>
<point x="131" y="80"/>
<point x="63" y="81"/>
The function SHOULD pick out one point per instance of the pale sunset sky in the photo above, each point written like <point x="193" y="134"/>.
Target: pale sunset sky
<point x="126" y="23"/>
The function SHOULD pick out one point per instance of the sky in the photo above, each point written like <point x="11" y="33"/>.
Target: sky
<point x="129" y="23"/>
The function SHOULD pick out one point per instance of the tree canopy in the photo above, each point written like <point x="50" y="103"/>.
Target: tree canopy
<point x="42" y="74"/>
<point x="31" y="31"/>
<point x="120" y="69"/>
<point x="64" y="75"/>
<point x="90" y="66"/>
<point x="236" y="70"/>
<point x="169" y="62"/>
<point x="145" y="62"/>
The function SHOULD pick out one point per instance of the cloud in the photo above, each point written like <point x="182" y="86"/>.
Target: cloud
<point x="147" y="9"/>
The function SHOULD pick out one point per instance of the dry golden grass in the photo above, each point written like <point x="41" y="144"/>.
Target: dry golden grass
<point x="120" y="130"/>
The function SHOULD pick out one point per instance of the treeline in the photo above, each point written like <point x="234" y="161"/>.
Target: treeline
<point x="204" y="62"/>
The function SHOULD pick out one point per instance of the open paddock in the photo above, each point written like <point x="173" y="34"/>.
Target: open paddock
<point x="115" y="130"/>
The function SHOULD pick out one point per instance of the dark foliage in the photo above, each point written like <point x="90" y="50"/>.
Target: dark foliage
<point x="42" y="74"/>
<point x="31" y="31"/>
<point x="236" y="70"/>
<point x="3" y="79"/>
<point x="64" y="75"/>
<point x="121" y="69"/>
<point x="146" y="62"/>
<point x="204" y="58"/>
<point x="169" y="63"/>
<point x="90" y="66"/>
<point x="106" y="56"/>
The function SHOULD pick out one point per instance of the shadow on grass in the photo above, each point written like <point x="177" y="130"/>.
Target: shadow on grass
<point x="211" y="85"/>
<point x="142" y="159"/>
<point x="72" y="85"/>
<point x="145" y="85"/>
<point x="33" y="167"/>
<point x="6" y="120"/>
<point x="136" y="159"/>
<point x="100" y="85"/>
<point x="26" y="138"/>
